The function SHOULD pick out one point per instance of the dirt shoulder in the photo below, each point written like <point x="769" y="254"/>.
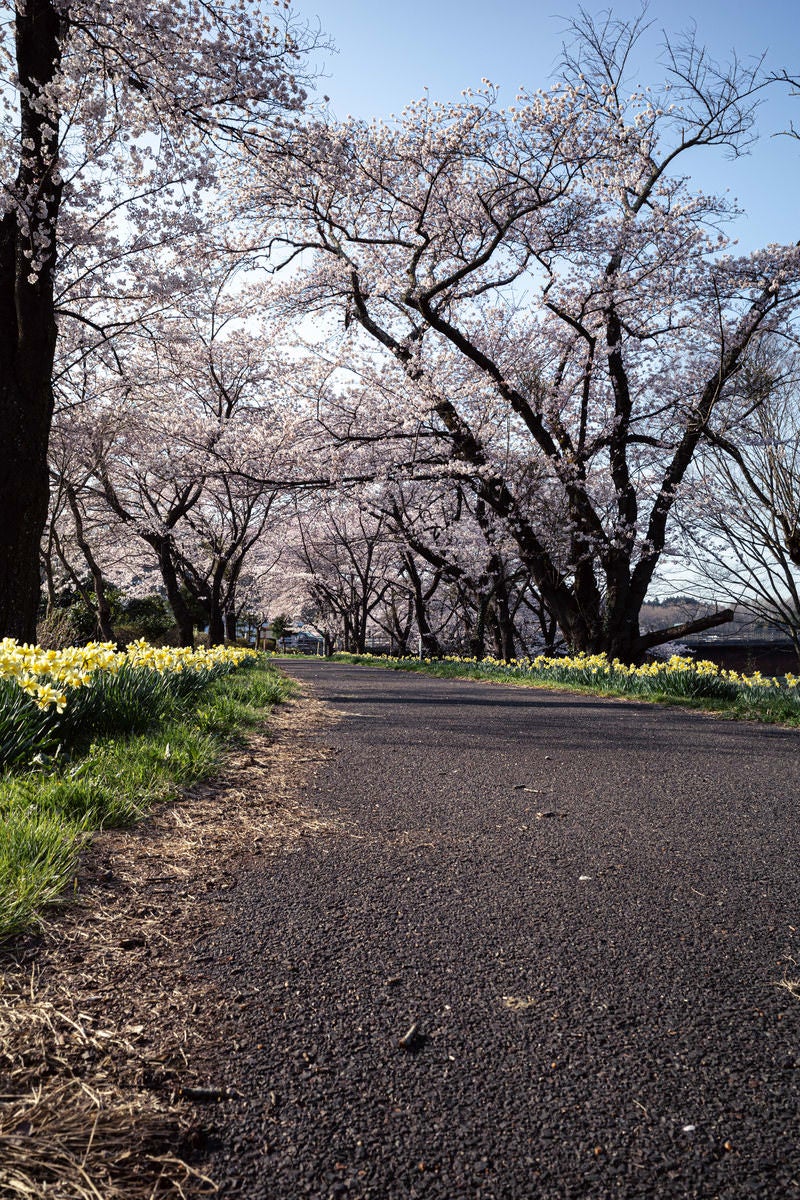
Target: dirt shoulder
<point x="104" y="1029"/>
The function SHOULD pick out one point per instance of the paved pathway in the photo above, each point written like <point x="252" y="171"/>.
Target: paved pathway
<point x="587" y="907"/>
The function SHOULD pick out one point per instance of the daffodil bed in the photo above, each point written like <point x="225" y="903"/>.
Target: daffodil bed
<point x="51" y="698"/>
<point x="679" y="679"/>
<point x="91" y="737"/>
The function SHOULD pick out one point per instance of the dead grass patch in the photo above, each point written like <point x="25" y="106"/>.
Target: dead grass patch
<point x="518" y="1003"/>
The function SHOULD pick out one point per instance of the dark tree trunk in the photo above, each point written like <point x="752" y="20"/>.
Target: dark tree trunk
<point x="212" y="602"/>
<point x="548" y="626"/>
<point x="222" y="598"/>
<point x="163" y="546"/>
<point x="180" y="609"/>
<point x="502" y="612"/>
<point x="397" y="627"/>
<point x="104" y="625"/>
<point x="493" y="629"/>
<point x="431" y="647"/>
<point x="477" y="633"/>
<point x="216" y="624"/>
<point x="229" y="614"/>
<point x="103" y="611"/>
<point x="216" y="628"/>
<point x="28" y="327"/>
<point x="620" y="641"/>
<point x="360" y="624"/>
<point x="674" y="632"/>
<point x="403" y="627"/>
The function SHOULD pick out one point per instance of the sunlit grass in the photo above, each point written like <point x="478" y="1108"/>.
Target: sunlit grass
<point x="47" y="814"/>
<point x="679" y="680"/>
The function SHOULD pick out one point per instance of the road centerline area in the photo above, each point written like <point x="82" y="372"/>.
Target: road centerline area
<point x="545" y="954"/>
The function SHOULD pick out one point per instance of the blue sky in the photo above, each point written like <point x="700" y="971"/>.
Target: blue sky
<point x="387" y="54"/>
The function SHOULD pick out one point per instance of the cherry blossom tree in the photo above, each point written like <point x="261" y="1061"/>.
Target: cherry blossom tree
<point x="223" y="529"/>
<point x="449" y="536"/>
<point x="343" y="550"/>
<point x="164" y="438"/>
<point x="416" y="564"/>
<point x="743" y="522"/>
<point x="539" y="284"/>
<point x="83" y="540"/>
<point x="71" y="543"/>
<point x="116" y="121"/>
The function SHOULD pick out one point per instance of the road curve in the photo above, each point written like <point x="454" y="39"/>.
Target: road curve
<point x="587" y="908"/>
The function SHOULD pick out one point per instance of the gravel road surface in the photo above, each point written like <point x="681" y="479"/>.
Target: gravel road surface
<point x="588" y="910"/>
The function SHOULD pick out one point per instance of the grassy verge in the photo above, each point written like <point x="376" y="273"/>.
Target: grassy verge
<point x="48" y="815"/>
<point x="699" y="686"/>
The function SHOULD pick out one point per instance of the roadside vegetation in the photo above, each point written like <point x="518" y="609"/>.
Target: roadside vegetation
<point x="91" y="738"/>
<point x="677" y="680"/>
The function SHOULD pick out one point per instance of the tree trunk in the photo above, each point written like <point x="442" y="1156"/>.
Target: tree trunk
<point x="180" y="610"/>
<point x="431" y="647"/>
<point x="403" y="627"/>
<point x="621" y="642"/>
<point x="477" y="633"/>
<point x="216" y="621"/>
<point x="216" y="624"/>
<point x="397" y="627"/>
<point x="360" y="624"/>
<point x="502" y="612"/>
<point x="659" y="636"/>
<point x="104" y="625"/>
<point x="72" y="573"/>
<point x="27" y="326"/>
<point x="216" y="629"/>
<point x="229" y="614"/>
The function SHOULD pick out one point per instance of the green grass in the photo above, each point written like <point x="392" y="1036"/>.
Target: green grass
<point x="684" y="689"/>
<point x="24" y="729"/>
<point x="38" y="853"/>
<point x="47" y="815"/>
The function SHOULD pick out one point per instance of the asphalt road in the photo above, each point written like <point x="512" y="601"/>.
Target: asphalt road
<point x="586" y="907"/>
